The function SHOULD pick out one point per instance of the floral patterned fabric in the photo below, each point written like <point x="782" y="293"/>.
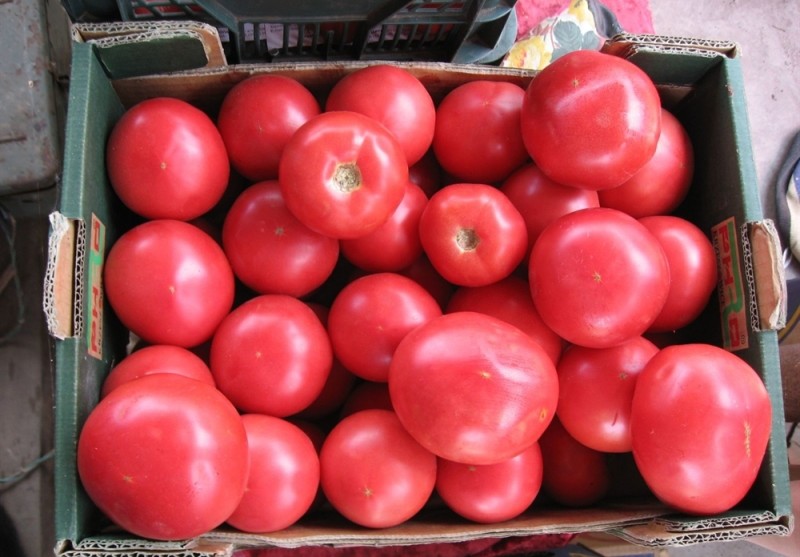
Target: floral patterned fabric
<point x="583" y="25"/>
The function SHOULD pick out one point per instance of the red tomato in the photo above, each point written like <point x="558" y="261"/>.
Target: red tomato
<point x="370" y="317"/>
<point x="271" y="355"/>
<point x="574" y="475"/>
<point x="365" y="396"/>
<point x="160" y="440"/>
<point x="700" y="422"/>
<point x="591" y="120"/>
<point x="491" y="493"/>
<point x="395" y="244"/>
<point x="540" y="201"/>
<point x="159" y="358"/>
<point x="284" y="470"/>
<point x="168" y="282"/>
<point x="166" y="160"/>
<point x="472" y="234"/>
<point x="271" y="251"/>
<point x="373" y="472"/>
<point x="343" y="174"/>
<point x="395" y="98"/>
<point x="660" y="186"/>
<point x="478" y="136"/>
<point x="598" y="277"/>
<point x="426" y="173"/>
<point x="692" y="270"/>
<point x="472" y="389"/>
<point x="595" y="389"/>
<point x="257" y="118"/>
<point x="423" y="273"/>
<point x="509" y="300"/>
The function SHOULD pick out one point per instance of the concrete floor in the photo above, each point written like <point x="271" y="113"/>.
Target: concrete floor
<point x="770" y="50"/>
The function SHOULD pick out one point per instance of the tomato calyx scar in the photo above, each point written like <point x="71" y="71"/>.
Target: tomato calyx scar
<point x="467" y="239"/>
<point x="347" y="177"/>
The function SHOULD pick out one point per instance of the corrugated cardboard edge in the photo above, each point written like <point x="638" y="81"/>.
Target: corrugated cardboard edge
<point x="62" y="289"/>
<point x="765" y="275"/>
<point x="626" y="44"/>
<point x="134" y="548"/>
<point x="108" y="34"/>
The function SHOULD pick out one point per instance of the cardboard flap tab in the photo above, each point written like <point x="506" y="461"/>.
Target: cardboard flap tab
<point x="765" y="274"/>
<point x="60" y="273"/>
<point x="135" y="49"/>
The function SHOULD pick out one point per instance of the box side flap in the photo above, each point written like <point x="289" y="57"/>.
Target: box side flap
<point x="60" y="274"/>
<point x="765" y="275"/>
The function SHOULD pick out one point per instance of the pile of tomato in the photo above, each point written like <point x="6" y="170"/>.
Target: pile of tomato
<point x="376" y="302"/>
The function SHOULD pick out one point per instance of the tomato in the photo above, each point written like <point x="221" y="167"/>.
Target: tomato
<point x="168" y="282"/>
<point x="395" y="244"/>
<point x="473" y="389"/>
<point x="335" y="392"/>
<point x="692" y="270"/>
<point x="373" y="472"/>
<point x="160" y="440"/>
<point x="370" y="317"/>
<point x="271" y="355"/>
<point x="598" y="277"/>
<point x="660" y="186"/>
<point x="284" y="470"/>
<point x="395" y="98"/>
<point x="367" y="395"/>
<point x="256" y="119"/>
<point x="472" y="234"/>
<point x="343" y="174"/>
<point x="423" y="273"/>
<point x="595" y="389"/>
<point x="700" y="424"/>
<point x="271" y="251"/>
<point x="166" y="160"/>
<point x="426" y="173"/>
<point x="478" y="136"/>
<point x="491" y="493"/>
<point x="540" y="201"/>
<point x="159" y="358"/>
<point x="591" y="120"/>
<point x="509" y="300"/>
<point x="574" y="475"/>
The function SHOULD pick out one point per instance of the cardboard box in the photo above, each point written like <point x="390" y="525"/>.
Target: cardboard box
<point x="115" y="66"/>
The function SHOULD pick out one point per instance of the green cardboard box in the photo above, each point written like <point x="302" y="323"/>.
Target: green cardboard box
<point x="113" y="66"/>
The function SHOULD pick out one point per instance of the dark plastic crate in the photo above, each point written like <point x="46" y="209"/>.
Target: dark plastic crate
<point x="464" y="31"/>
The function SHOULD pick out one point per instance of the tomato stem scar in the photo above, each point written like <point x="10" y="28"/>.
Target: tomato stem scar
<point x="347" y="177"/>
<point x="467" y="239"/>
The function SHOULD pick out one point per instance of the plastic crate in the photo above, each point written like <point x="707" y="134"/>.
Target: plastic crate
<point x="464" y="31"/>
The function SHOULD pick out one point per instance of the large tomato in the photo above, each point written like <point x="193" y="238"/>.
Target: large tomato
<point x="595" y="389"/>
<point x="169" y="282"/>
<point x="700" y="423"/>
<point x="271" y="251"/>
<point x="472" y="234"/>
<point x="158" y="358"/>
<point x="370" y="317"/>
<point x="271" y="355"/>
<point x="478" y="136"/>
<point x="510" y="300"/>
<point x="493" y="492"/>
<point x="473" y="389"/>
<point x="164" y="457"/>
<point x="343" y="174"/>
<point x="598" y="277"/>
<point x="574" y="475"/>
<point x="284" y="470"/>
<point x="166" y="160"/>
<point x="373" y="472"/>
<point x="692" y="270"/>
<point x="660" y="186"/>
<point x="257" y="118"/>
<point x="395" y="244"/>
<point x="395" y="98"/>
<point x="540" y="201"/>
<point x="591" y="119"/>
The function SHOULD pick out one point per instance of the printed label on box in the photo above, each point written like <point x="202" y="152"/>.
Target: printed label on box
<point x="730" y="286"/>
<point x="97" y="245"/>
